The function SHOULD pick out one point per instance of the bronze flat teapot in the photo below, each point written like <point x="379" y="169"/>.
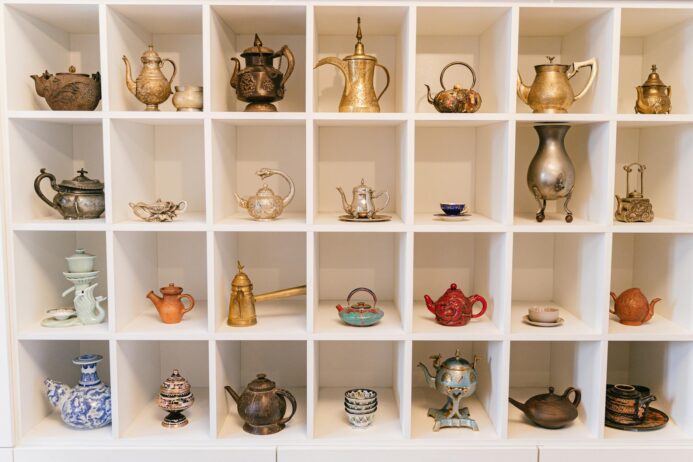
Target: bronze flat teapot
<point x="457" y="99"/>
<point x="654" y="97"/>
<point x="550" y="410"/>
<point x="260" y="83"/>
<point x="151" y="87"/>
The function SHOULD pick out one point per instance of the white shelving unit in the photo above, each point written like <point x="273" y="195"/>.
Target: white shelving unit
<point x="419" y="156"/>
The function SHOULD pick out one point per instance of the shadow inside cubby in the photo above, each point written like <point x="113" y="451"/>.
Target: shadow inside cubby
<point x="563" y="270"/>
<point x="142" y="367"/>
<point x="158" y="160"/>
<point x="145" y="261"/>
<point x="655" y="36"/>
<point x="661" y="266"/>
<point x="479" y="36"/>
<point x="345" y="365"/>
<point x="570" y="35"/>
<point x="175" y="32"/>
<point x="536" y="366"/>
<point x="232" y="30"/>
<point x="62" y="149"/>
<point x="239" y="362"/>
<point x="587" y="146"/>
<point x="272" y="261"/>
<point x="48" y="37"/>
<point x="38" y="360"/>
<point x="474" y="172"/>
<point x="665" y="368"/>
<point x="39" y="264"/>
<point x="346" y="261"/>
<point x="485" y="405"/>
<point x="385" y="36"/>
<point x="476" y="263"/>
<point x="239" y="150"/>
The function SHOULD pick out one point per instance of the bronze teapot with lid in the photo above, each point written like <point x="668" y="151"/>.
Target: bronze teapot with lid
<point x="260" y="83"/>
<point x="457" y="99"/>
<point x="262" y="406"/>
<point x="654" y="97"/>
<point x="69" y="91"/>
<point x="151" y="87"/>
<point x="550" y="410"/>
<point x="77" y="199"/>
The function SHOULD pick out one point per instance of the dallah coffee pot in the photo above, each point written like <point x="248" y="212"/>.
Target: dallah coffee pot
<point x="453" y="308"/>
<point x="151" y="87"/>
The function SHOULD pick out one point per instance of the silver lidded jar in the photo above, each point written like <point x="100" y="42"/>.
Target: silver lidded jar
<point x="175" y="397"/>
<point x="77" y="199"/>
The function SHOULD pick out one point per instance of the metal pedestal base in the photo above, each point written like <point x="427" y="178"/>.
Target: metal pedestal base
<point x="451" y="415"/>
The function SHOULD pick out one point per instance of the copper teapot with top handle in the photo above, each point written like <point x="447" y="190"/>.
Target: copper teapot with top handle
<point x="457" y="99"/>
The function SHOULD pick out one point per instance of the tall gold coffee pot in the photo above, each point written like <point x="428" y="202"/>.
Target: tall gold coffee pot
<point x="358" y="69"/>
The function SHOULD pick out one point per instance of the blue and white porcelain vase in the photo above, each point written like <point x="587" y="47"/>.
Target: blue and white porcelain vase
<point x="86" y="406"/>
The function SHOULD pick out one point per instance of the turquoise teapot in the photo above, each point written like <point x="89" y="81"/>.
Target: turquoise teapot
<point x="360" y="314"/>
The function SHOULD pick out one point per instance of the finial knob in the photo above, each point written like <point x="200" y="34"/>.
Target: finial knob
<point x="81" y="171"/>
<point x="359" y="35"/>
<point x="257" y="42"/>
<point x="240" y="267"/>
<point x="654" y="68"/>
<point x="550" y="58"/>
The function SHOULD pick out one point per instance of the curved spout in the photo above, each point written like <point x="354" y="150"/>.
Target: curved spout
<point x="236" y="68"/>
<point x="522" y="89"/>
<point x="41" y="83"/>
<point x="231" y="392"/>
<point x="430" y="379"/>
<point x="517" y="404"/>
<point x="242" y="202"/>
<point x="345" y="205"/>
<point x="650" y="311"/>
<point x="618" y="202"/>
<point x="340" y="64"/>
<point x="155" y="299"/>
<point x="132" y="86"/>
<point x="57" y="392"/>
<point x="340" y="308"/>
<point x="428" y="95"/>
<point x="429" y="304"/>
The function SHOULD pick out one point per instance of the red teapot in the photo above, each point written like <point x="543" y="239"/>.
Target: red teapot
<point x="453" y="308"/>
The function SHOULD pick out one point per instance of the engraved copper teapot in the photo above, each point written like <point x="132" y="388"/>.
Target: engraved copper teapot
<point x="260" y="83"/>
<point x="151" y="87"/>
<point x="550" y="410"/>
<point x="362" y="205"/>
<point x="265" y="205"/>
<point x="551" y="91"/>
<point x="457" y="99"/>
<point x="359" y="70"/>
<point x="69" y="91"/>
<point x="654" y="97"/>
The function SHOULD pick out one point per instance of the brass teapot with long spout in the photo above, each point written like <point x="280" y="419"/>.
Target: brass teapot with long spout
<point x="151" y="87"/>
<point x="358" y="69"/>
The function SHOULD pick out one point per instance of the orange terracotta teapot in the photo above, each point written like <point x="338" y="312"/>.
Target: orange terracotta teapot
<point x="170" y="307"/>
<point x="632" y="307"/>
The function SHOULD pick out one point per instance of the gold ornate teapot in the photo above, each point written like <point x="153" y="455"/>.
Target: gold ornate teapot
<point x="654" y="97"/>
<point x="358" y="69"/>
<point x="457" y="99"/>
<point x="362" y="205"/>
<point x="551" y="91"/>
<point x="265" y="205"/>
<point x="151" y="87"/>
<point x="635" y="206"/>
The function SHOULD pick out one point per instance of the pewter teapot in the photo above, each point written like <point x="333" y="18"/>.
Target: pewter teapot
<point x="76" y="199"/>
<point x="457" y="99"/>
<point x="362" y="205"/>
<point x="265" y="205"/>
<point x="151" y="87"/>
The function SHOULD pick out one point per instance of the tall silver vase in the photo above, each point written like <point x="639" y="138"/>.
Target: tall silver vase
<point x="551" y="174"/>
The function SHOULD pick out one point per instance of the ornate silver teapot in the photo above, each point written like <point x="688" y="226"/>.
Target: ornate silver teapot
<point x="77" y="199"/>
<point x="265" y="205"/>
<point x="362" y="205"/>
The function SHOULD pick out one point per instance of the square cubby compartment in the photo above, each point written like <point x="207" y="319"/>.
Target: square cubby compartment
<point x="142" y="367"/>
<point x="147" y="261"/>
<point x="537" y="366"/>
<point x="587" y="146"/>
<point x="478" y="36"/>
<point x="660" y="265"/>
<point x="485" y="405"/>
<point x="655" y="36"/>
<point x="664" y="150"/>
<point x="346" y="154"/>
<point x="48" y="37"/>
<point x="666" y="369"/>
<point x="175" y="32"/>
<point x="38" y="421"/>
<point x="474" y="172"/>
<point x="62" y="148"/>
<point x="477" y="264"/>
<point x="233" y="28"/>
<point x="40" y="284"/>
<point x="240" y="362"/>
<point x="560" y="270"/>
<point x="240" y="150"/>
<point x="272" y="261"/>
<point x="375" y="365"/>
<point x="158" y="160"/>
<point x="385" y="35"/>
<point x="570" y="35"/>
<point x="348" y="261"/>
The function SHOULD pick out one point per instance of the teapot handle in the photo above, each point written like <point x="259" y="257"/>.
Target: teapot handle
<point x="362" y="289"/>
<point x="175" y="70"/>
<point x="387" y="200"/>
<point x="387" y="84"/>
<point x="37" y="186"/>
<point x="478" y="298"/>
<point x="287" y="395"/>
<point x="460" y="63"/>
<point x="181" y="206"/>
<point x="290" y="61"/>
<point x="592" y="63"/>
<point x="576" y="398"/>
<point x="190" y="299"/>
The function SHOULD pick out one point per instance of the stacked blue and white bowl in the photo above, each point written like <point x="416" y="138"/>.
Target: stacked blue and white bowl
<point x="360" y="405"/>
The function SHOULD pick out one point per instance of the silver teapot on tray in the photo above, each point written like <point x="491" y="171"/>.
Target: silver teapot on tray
<point x="362" y="205"/>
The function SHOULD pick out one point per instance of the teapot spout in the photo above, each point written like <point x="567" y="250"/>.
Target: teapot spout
<point x="345" y="205"/>
<point x="339" y="64"/>
<point x="517" y="404"/>
<point x="650" y="310"/>
<point x="41" y="83"/>
<point x="618" y="202"/>
<point x="429" y="304"/>
<point x="57" y="392"/>
<point x="428" y="94"/>
<point x="231" y="392"/>
<point x="155" y="299"/>
<point x="522" y="89"/>
<point x="234" y="75"/>
<point x="132" y="86"/>
<point x="242" y="203"/>
<point x="430" y="379"/>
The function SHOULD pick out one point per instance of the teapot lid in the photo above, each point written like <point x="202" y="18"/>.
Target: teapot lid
<point x="150" y="55"/>
<point x="171" y="289"/>
<point x="362" y="186"/>
<point x="359" y="49"/>
<point x="551" y="66"/>
<point x="265" y="191"/>
<point x="71" y="71"/>
<point x="82" y="182"/>
<point x="261" y="383"/>
<point x="653" y="79"/>
<point x="453" y="290"/>
<point x="175" y="385"/>
<point x="241" y="279"/>
<point x="550" y="396"/>
<point x="257" y="49"/>
<point x="456" y="363"/>
<point x="79" y="254"/>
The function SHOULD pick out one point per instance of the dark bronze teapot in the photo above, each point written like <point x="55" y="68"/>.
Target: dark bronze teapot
<point x="457" y="99"/>
<point x="260" y="83"/>
<point x="262" y="406"/>
<point x="76" y="199"/>
<point x="550" y="410"/>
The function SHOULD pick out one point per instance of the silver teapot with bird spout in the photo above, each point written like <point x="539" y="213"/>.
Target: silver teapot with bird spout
<point x="362" y="204"/>
<point x="265" y="205"/>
